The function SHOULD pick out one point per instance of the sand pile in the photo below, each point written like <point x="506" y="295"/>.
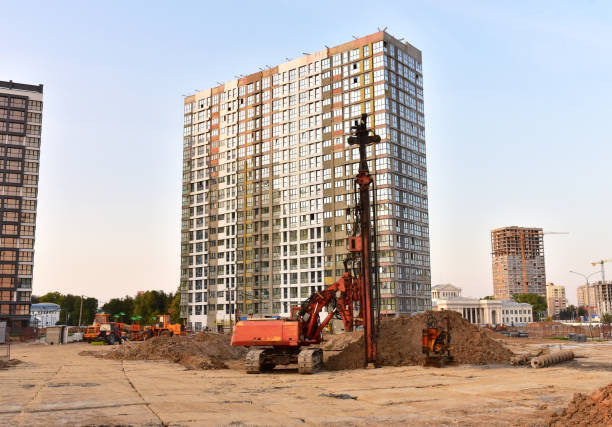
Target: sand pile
<point x="205" y="350"/>
<point x="583" y="410"/>
<point x="399" y="343"/>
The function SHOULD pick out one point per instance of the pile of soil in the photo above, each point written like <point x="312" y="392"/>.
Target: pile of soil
<point x="399" y="343"/>
<point x="5" y="364"/>
<point x="583" y="410"/>
<point x="205" y="350"/>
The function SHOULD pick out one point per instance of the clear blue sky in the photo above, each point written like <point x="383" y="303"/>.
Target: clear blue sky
<point x="518" y="100"/>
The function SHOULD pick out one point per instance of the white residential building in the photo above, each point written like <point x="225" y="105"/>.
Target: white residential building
<point x="44" y="314"/>
<point x="489" y="312"/>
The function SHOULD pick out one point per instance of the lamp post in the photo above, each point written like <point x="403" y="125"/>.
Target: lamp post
<point x="586" y="277"/>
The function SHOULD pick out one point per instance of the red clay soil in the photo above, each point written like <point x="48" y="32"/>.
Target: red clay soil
<point x="205" y="350"/>
<point x="583" y="410"/>
<point x="399" y="343"/>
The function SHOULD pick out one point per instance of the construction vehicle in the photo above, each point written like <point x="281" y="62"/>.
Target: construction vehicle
<point x="288" y="340"/>
<point x="111" y="333"/>
<point x="163" y="327"/>
<point x="436" y="342"/>
<point x="93" y="332"/>
<point x="135" y="331"/>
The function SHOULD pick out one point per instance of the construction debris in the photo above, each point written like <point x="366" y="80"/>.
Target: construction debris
<point x="592" y="410"/>
<point x="525" y="359"/>
<point x="205" y="350"/>
<point x="551" y="359"/>
<point x="399" y="343"/>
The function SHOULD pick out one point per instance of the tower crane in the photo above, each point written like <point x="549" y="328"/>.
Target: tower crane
<point x="603" y="273"/>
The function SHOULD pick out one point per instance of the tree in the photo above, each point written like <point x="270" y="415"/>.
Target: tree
<point x="147" y="305"/>
<point x="606" y="318"/>
<point x="582" y="311"/>
<point x="120" y="305"/>
<point x="70" y="307"/>
<point x="175" y="310"/>
<point x="152" y="303"/>
<point x="489" y="297"/>
<point x="538" y="304"/>
<point x="568" y="313"/>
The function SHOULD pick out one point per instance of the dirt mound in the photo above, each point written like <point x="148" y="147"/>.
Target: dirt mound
<point x="583" y="410"/>
<point x="399" y="343"/>
<point x="5" y="364"/>
<point x="205" y="350"/>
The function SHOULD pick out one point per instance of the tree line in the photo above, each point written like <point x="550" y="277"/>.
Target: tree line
<point x="146" y="305"/>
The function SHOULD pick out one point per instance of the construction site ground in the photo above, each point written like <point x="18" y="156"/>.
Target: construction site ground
<point x="54" y="385"/>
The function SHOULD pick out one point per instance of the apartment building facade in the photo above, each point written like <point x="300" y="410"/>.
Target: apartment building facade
<point x="603" y="297"/>
<point x="518" y="261"/>
<point x="556" y="300"/>
<point x="20" y="130"/>
<point x="587" y="298"/>
<point x="268" y="176"/>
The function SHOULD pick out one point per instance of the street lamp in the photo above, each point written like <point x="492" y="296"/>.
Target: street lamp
<point x="586" y="277"/>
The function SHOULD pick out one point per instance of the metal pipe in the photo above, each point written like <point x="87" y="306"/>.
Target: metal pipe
<point x="551" y="359"/>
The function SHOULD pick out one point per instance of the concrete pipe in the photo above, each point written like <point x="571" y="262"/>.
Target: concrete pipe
<point x="551" y="359"/>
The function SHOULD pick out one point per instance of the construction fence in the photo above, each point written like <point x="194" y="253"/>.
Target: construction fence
<point x="551" y="329"/>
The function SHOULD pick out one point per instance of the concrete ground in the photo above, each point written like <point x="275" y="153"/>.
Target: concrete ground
<point x="56" y="386"/>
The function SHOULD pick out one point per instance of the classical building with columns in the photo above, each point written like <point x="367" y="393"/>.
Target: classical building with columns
<point x="488" y="312"/>
<point x="446" y="291"/>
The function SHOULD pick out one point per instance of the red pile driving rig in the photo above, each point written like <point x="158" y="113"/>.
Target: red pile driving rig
<point x="286" y="341"/>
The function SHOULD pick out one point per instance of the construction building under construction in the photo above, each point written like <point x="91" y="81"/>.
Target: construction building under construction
<point x="518" y="261"/>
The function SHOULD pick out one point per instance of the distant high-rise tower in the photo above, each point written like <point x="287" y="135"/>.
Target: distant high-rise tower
<point x="518" y="261"/>
<point x="268" y="177"/>
<point x="20" y="127"/>
<point x="555" y="300"/>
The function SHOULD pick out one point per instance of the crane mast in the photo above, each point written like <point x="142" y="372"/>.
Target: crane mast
<point x="362" y="138"/>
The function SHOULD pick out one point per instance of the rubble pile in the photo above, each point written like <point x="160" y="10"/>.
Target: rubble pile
<point x="205" y="350"/>
<point x="592" y="410"/>
<point x="399" y="343"/>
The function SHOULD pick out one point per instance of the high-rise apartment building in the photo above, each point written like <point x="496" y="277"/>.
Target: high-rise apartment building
<point x="20" y="127"/>
<point x="518" y="261"/>
<point x="555" y="300"/>
<point x="268" y="177"/>
<point x="603" y="297"/>
<point x="587" y="298"/>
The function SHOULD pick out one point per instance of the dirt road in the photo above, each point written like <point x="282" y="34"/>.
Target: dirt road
<point x="55" y="386"/>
